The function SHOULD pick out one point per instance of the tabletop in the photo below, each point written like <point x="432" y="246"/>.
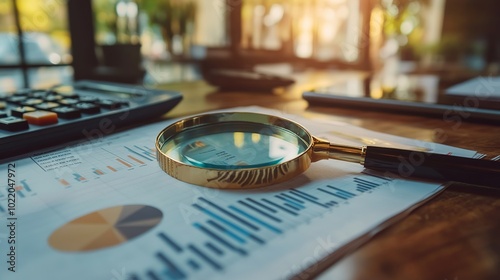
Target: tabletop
<point x="455" y="236"/>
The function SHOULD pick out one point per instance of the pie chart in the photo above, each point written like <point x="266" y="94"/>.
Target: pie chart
<point x="105" y="228"/>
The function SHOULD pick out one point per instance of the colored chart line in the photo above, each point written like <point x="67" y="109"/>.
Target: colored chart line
<point x="136" y="159"/>
<point x="64" y="183"/>
<point x="98" y="172"/>
<point x="124" y="162"/>
<point x="143" y="152"/>
<point x="231" y="230"/>
<point x="111" y="168"/>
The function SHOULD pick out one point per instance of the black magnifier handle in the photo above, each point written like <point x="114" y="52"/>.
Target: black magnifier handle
<point x="405" y="163"/>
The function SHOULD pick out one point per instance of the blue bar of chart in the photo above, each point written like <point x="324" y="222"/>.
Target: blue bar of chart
<point x="79" y="177"/>
<point x="228" y="231"/>
<point x="336" y="192"/>
<point x="364" y="185"/>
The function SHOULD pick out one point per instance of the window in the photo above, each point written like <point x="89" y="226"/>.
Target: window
<point x="34" y="44"/>
<point x="319" y="33"/>
<point x="323" y="30"/>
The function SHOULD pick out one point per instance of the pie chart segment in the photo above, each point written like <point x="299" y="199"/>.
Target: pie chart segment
<point x="76" y="237"/>
<point x="150" y="222"/>
<point x="130" y="210"/>
<point x="131" y="232"/>
<point x="111" y="215"/>
<point x="105" y="228"/>
<point x="109" y="238"/>
<point x="139" y="214"/>
<point x="92" y="218"/>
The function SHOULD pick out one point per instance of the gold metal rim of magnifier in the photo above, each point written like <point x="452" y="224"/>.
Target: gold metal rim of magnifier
<point x="255" y="177"/>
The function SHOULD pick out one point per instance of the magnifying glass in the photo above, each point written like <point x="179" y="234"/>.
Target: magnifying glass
<point x="251" y="150"/>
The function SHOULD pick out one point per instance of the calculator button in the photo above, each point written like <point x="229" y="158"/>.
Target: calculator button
<point x="23" y="92"/>
<point x="41" y="94"/>
<point x="109" y="104"/>
<point x="68" y="101"/>
<point x="64" y="90"/>
<point x="13" y="124"/>
<point x="87" y="108"/>
<point x="40" y="117"/>
<point x="47" y="106"/>
<point x="53" y="98"/>
<point x="68" y="94"/>
<point x="88" y="99"/>
<point x="67" y="112"/>
<point x="3" y="105"/>
<point x="31" y="102"/>
<point x="3" y="114"/>
<point x="16" y="99"/>
<point x="19" y="111"/>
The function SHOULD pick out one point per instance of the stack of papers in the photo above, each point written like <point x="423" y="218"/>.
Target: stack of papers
<point x="103" y="209"/>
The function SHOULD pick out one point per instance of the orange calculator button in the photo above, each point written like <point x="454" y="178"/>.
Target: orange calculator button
<point x="40" y="117"/>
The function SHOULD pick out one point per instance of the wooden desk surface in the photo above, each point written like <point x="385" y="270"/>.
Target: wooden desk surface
<point x="455" y="236"/>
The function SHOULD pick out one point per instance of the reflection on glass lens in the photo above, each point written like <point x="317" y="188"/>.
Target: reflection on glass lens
<point x="234" y="146"/>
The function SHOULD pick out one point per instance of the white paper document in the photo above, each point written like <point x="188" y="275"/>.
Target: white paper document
<point x="104" y="209"/>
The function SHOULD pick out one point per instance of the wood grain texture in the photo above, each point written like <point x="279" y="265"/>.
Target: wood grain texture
<point x="455" y="236"/>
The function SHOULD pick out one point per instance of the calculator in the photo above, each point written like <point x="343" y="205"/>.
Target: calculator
<point x="31" y="119"/>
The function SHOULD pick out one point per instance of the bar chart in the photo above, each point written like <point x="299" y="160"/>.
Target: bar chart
<point x="125" y="158"/>
<point x="109" y="160"/>
<point x="229" y="231"/>
<point x="22" y="190"/>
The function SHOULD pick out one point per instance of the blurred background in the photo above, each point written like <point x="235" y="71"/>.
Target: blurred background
<point x="46" y="42"/>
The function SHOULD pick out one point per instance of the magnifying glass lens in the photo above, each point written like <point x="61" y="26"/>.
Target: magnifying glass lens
<point x="234" y="145"/>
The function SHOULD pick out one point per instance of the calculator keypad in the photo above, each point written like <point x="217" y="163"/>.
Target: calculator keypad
<point x="32" y="119"/>
<point x="21" y="109"/>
